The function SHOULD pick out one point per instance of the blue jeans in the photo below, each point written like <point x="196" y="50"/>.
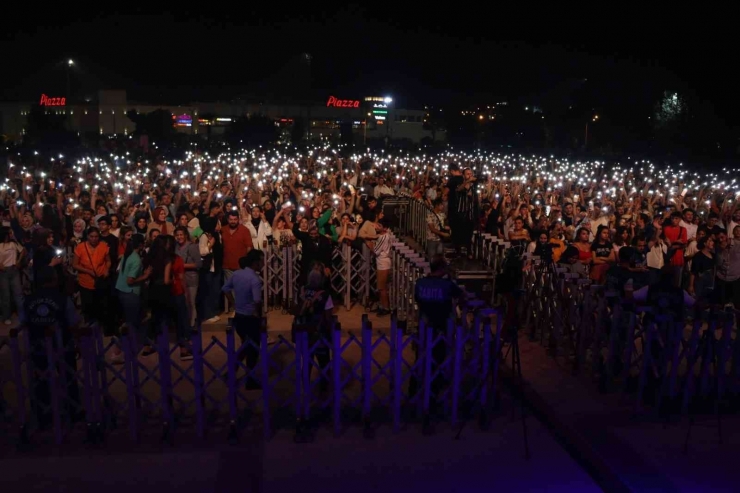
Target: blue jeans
<point x="131" y="305"/>
<point x="209" y="291"/>
<point x="10" y="285"/>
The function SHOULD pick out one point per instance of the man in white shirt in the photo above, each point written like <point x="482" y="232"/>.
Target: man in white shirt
<point x="688" y="223"/>
<point x="382" y="189"/>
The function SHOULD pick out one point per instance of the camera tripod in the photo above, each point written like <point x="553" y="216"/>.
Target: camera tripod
<point x="510" y="332"/>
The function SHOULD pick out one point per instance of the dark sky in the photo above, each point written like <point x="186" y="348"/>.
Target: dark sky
<point x="419" y="56"/>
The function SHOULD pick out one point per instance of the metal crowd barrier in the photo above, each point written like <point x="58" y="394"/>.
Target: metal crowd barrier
<point x="417" y="222"/>
<point x="64" y="388"/>
<point x="652" y="353"/>
<point x="352" y="278"/>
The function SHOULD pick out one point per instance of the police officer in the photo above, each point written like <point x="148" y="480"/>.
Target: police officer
<point x="44" y="309"/>
<point x="435" y="295"/>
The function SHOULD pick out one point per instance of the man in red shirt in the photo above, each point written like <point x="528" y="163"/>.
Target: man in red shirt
<point x="237" y="241"/>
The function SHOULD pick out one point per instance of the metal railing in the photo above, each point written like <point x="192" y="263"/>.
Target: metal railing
<point x="352" y="278"/>
<point x="67" y="388"/>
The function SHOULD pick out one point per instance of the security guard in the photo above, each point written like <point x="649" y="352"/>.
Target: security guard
<point x="435" y="295"/>
<point x="47" y="308"/>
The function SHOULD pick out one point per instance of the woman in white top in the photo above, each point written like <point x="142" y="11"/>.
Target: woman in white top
<point x="11" y="254"/>
<point x="282" y="228"/>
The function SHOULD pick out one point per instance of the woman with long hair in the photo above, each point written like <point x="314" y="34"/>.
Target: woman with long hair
<point x="48" y="254"/>
<point x="583" y="246"/>
<point x="192" y="262"/>
<point x="128" y="286"/>
<point x="603" y="256"/>
<point x="11" y="254"/>
<point x="621" y="238"/>
<point x="209" y="279"/>
<point x="124" y="236"/>
<point x="115" y="225"/>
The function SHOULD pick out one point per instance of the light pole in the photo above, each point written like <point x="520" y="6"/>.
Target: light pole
<point x="70" y="62"/>
<point x="594" y="119"/>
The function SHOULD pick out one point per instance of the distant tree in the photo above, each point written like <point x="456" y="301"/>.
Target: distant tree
<point x="252" y="131"/>
<point x="298" y="130"/>
<point x="345" y="132"/>
<point x="158" y="125"/>
<point x="210" y="117"/>
<point x="46" y="129"/>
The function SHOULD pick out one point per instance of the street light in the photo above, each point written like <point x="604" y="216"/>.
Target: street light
<point x="70" y="62"/>
<point x="594" y="119"/>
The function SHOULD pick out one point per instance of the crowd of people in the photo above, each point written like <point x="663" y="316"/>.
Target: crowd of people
<point x="149" y="244"/>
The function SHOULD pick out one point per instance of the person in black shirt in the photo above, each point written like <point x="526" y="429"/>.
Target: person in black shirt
<point x="47" y="309"/>
<point x="568" y="217"/>
<point x="701" y="280"/>
<point x="316" y="248"/>
<point x="106" y="236"/>
<point x="435" y="294"/>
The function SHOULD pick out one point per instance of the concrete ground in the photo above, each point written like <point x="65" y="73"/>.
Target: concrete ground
<point x="477" y="462"/>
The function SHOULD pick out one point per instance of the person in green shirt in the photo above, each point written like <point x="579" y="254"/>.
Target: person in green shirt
<point x="128" y="286"/>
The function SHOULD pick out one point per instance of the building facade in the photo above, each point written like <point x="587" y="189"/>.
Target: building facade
<point x="105" y="114"/>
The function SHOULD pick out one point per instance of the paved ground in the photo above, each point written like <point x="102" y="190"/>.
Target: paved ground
<point x="629" y="452"/>
<point x="624" y="452"/>
<point x="477" y="462"/>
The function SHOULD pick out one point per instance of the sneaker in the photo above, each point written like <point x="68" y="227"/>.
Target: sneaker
<point x="8" y="322"/>
<point x="185" y="354"/>
<point x="271" y="340"/>
<point x="212" y="320"/>
<point x="382" y="312"/>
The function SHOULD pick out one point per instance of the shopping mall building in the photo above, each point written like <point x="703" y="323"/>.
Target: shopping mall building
<point x="371" y="118"/>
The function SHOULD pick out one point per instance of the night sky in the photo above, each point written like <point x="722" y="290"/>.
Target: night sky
<point x="419" y="56"/>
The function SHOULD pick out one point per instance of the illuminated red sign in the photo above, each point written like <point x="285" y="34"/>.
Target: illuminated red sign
<point x="47" y="101"/>
<point x="342" y="103"/>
